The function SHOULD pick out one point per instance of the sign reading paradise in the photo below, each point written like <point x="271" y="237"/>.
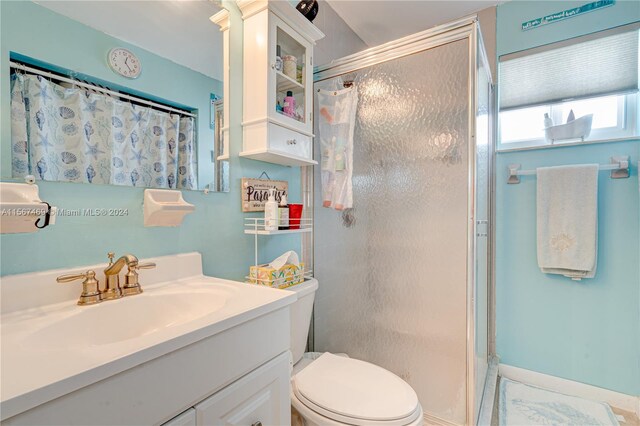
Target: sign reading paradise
<point x="565" y="14"/>
<point x="256" y="191"/>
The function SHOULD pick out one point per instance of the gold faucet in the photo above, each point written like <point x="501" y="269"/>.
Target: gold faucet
<point x="91" y="292"/>
<point x="112" y="288"/>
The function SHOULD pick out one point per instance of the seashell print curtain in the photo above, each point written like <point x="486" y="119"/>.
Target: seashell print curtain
<point x="73" y="135"/>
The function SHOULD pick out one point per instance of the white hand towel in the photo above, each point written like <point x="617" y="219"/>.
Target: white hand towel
<point x="567" y="217"/>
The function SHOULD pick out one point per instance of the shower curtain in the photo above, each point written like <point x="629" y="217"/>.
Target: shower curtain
<point x="73" y="135"/>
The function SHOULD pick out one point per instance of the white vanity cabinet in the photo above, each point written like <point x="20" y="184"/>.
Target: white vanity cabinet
<point x="188" y="418"/>
<point x="221" y="357"/>
<point x="259" y="398"/>
<point x="275" y="130"/>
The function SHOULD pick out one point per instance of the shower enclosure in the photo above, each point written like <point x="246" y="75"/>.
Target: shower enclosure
<point x="404" y="273"/>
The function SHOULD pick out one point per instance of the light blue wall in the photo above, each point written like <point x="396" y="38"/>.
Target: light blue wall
<point x="216" y="227"/>
<point x="585" y="331"/>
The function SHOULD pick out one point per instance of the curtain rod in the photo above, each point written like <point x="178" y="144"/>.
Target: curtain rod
<point x="98" y="88"/>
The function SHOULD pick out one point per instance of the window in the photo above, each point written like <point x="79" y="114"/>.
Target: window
<point x="594" y="75"/>
<point x="614" y="117"/>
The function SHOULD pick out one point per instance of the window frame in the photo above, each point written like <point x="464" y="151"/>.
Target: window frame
<point x="627" y="119"/>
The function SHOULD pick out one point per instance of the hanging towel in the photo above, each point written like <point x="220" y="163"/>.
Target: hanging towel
<point x="567" y="217"/>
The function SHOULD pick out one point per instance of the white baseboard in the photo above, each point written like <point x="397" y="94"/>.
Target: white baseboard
<point x="431" y="420"/>
<point x="569" y="387"/>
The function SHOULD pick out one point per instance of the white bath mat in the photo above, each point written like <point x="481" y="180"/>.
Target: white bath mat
<point x="522" y="405"/>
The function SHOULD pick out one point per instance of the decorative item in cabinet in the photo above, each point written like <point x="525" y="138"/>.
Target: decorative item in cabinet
<point x="277" y="110"/>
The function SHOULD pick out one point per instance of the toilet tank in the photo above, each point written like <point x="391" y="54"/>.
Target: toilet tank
<point x="300" y="312"/>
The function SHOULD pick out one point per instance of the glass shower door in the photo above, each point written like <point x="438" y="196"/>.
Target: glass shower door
<point x="481" y="297"/>
<point x="392" y="270"/>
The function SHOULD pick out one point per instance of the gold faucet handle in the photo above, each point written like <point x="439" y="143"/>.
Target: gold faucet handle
<point x="131" y="284"/>
<point x="90" y="286"/>
<point x="72" y="277"/>
<point x="111" y="255"/>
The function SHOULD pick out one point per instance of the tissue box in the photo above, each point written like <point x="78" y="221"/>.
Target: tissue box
<point x="284" y="277"/>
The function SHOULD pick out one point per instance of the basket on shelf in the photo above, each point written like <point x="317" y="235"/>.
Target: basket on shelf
<point x="284" y="277"/>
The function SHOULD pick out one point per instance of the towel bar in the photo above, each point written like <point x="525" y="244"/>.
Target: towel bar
<point x="619" y="167"/>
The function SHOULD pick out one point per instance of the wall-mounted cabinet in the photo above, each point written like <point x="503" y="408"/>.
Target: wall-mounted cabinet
<point x="277" y="117"/>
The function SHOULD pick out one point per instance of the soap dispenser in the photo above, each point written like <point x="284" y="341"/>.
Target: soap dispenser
<point x="283" y="213"/>
<point x="271" y="212"/>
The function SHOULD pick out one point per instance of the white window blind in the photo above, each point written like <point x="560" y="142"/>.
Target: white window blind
<point x="585" y="67"/>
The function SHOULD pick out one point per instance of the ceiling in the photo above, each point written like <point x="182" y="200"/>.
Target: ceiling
<point x="377" y="22"/>
<point x="178" y="30"/>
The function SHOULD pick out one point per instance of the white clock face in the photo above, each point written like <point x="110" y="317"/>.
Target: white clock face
<point x="124" y="62"/>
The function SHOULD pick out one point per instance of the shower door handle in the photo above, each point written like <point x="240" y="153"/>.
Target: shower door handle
<point x="486" y="229"/>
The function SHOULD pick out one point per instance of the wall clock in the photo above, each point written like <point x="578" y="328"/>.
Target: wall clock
<point x="124" y="62"/>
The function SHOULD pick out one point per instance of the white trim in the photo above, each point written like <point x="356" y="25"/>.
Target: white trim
<point x="433" y="420"/>
<point x="221" y="19"/>
<point x="284" y="11"/>
<point x="561" y="145"/>
<point x="569" y="387"/>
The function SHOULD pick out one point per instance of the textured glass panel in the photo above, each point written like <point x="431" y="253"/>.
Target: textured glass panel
<point x="483" y="120"/>
<point x="392" y="270"/>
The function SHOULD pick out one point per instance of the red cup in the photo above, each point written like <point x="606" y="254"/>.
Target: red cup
<point x="295" y="213"/>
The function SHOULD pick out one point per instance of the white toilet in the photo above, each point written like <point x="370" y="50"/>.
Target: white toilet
<point x="328" y="389"/>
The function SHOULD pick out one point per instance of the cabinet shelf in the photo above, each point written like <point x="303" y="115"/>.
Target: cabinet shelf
<point x="285" y="83"/>
<point x="256" y="225"/>
<point x="278" y="232"/>
<point x="278" y="157"/>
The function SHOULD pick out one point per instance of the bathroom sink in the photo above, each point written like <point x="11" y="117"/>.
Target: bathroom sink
<point x="127" y="318"/>
<point x="51" y="346"/>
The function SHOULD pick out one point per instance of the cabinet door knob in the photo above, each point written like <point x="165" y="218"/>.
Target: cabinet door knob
<point x="258" y="423"/>
<point x="273" y="66"/>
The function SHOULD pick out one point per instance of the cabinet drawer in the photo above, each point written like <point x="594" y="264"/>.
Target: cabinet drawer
<point x="260" y="397"/>
<point x="289" y="141"/>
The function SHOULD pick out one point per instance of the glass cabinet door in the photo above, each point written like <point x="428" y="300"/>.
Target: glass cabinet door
<point x="290" y="77"/>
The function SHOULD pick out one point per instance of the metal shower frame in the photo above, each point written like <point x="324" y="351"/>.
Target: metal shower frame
<point x="466" y="28"/>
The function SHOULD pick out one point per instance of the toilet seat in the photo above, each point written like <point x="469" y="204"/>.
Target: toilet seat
<point x="355" y="392"/>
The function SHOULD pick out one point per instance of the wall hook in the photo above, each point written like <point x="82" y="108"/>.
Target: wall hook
<point x="47" y="217"/>
<point x="264" y="173"/>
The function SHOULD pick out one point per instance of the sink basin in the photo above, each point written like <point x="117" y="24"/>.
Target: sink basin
<point x="52" y="347"/>
<point x="127" y="318"/>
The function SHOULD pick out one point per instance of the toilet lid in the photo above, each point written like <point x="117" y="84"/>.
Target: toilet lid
<point x="353" y="390"/>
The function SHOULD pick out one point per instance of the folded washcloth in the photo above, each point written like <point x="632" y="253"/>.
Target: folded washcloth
<point x="567" y="211"/>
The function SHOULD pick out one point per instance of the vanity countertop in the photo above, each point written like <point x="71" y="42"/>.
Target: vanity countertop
<point x="52" y="350"/>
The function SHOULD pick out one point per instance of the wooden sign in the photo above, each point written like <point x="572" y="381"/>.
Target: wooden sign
<point x="256" y="191"/>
